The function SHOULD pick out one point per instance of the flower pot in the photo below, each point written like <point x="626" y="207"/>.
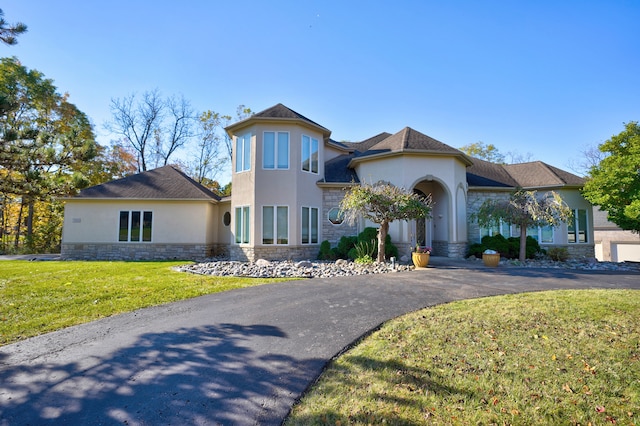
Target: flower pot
<point x="420" y="260"/>
<point x="491" y="260"/>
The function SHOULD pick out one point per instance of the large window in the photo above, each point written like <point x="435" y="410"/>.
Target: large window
<point x="309" y="225"/>
<point x="542" y="234"/>
<point x="577" y="227"/>
<point x="135" y="226"/>
<point x="275" y="150"/>
<point x="309" y="154"/>
<point x="243" y="153"/>
<point x="275" y="225"/>
<point x="242" y="225"/>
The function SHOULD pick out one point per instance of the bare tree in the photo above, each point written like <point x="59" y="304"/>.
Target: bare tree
<point x="590" y="156"/>
<point x="178" y="128"/>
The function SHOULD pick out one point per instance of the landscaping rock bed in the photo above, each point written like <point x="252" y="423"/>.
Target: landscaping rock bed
<point x="340" y="268"/>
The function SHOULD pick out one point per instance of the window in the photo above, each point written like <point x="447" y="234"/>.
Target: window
<point x="275" y="150"/>
<point x="309" y="154"/>
<point x="134" y="225"/>
<point x="335" y="216"/>
<point x="502" y="228"/>
<point x="577" y="227"/>
<point x="243" y="153"/>
<point x="275" y="225"/>
<point x="226" y="219"/>
<point x="309" y="225"/>
<point x="242" y="225"/>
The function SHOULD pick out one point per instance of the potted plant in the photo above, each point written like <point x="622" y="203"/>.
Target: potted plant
<point x="420" y="256"/>
<point x="491" y="258"/>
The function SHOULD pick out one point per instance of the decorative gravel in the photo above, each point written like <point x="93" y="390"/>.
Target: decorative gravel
<point x="340" y="268"/>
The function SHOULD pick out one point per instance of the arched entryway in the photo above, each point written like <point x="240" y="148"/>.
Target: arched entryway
<point x="434" y="232"/>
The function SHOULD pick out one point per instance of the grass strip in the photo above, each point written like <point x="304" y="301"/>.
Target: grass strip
<point x="39" y="297"/>
<point x="559" y="357"/>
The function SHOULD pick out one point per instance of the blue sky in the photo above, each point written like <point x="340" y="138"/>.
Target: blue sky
<point x="540" y="77"/>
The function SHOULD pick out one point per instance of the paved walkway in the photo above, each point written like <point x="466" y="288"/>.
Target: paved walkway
<point x="237" y="358"/>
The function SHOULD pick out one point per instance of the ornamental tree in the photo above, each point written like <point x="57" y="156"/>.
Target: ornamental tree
<point x="382" y="203"/>
<point x="614" y="183"/>
<point x="525" y="209"/>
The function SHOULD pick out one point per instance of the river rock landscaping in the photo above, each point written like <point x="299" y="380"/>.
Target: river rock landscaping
<point x="322" y="269"/>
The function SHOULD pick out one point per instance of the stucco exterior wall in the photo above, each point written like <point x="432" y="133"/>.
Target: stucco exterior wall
<point x="174" y="222"/>
<point x="290" y="187"/>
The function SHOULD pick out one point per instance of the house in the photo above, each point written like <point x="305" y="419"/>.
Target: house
<point x="612" y="243"/>
<point x="288" y="177"/>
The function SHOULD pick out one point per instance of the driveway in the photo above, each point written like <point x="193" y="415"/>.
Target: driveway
<point x="237" y="358"/>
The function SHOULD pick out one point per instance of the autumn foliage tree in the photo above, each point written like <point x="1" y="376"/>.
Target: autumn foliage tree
<point x="382" y="203"/>
<point x="525" y="209"/>
<point x="46" y="145"/>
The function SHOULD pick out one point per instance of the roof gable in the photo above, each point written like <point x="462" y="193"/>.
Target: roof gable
<point x="278" y="112"/>
<point x="163" y="183"/>
<point x="408" y="139"/>
<point x="534" y="174"/>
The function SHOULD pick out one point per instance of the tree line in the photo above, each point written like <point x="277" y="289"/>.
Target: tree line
<point x="49" y="150"/>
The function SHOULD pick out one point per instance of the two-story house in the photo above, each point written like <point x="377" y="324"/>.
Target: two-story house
<point x="288" y="177"/>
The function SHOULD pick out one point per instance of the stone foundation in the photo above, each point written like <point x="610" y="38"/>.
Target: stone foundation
<point x="251" y="254"/>
<point x="133" y="251"/>
<point x="576" y="251"/>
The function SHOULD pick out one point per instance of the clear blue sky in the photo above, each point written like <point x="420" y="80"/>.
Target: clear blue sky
<point x="541" y="77"/>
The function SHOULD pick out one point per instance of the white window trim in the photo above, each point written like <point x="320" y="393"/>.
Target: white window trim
<point x="311" y="139"/>
<point x="242" y="227"/>
<point x="275" y="150"/>
<point x="318" y="227"/>
<point x="130" y="223"/>
<point x="275" y="225"/>
<point x="240" y="156"/>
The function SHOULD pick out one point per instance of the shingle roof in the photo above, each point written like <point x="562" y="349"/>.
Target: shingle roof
<point x="336" y="170"/>
<point x="283" y="112"/>
<point x="534" y="174"/>
<point x="408" y="139"/>
<point x="162" y="183"/>
<point x="485" y="173"/>
<point x="368" y="143"/>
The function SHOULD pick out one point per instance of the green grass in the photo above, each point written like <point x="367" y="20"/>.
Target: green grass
<point x="39" y="297"/>
<point x="561" y="358"/>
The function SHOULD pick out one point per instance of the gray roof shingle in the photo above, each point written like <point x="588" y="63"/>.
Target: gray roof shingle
<point x="163" y="183"/>
<point x="534" y="174"/>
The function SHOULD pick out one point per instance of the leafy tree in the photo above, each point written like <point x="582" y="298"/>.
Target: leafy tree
<point x="46" y="142"/>
<point x="211" y="157"/>
<point x="382" y="203"/>
<point x="483" y="151"/>
<point x="525" y="209"/>
<point x="614" y="183"/>
<point x="9" y="32"/>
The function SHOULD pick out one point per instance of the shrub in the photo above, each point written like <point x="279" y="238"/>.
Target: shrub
<point x="345" y="244"/>
<point x="507" y="247"/>
<point x="559" y="254"/>
<point x="326" y="253"/>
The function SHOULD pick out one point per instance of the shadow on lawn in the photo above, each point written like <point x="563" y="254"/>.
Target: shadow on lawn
<point x="200" y="375"/>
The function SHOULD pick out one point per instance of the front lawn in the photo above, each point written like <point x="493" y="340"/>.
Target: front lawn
<point x="38" y="297"/>
<point x="561" y="358"/>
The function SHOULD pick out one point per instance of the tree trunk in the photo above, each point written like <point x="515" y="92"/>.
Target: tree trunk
<point x="29" y="236"/>
<point x="523" y="243"/>
<point x="18" y="225"/>
<point x="382" y="236"/>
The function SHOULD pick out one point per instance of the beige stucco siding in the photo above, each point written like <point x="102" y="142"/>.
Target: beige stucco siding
<point x="290" y="187"/>
<point x="176" y="222"/>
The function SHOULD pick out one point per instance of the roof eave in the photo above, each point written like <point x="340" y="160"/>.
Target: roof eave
<point x="278" y="120"/>
<point x="461" y="156"/>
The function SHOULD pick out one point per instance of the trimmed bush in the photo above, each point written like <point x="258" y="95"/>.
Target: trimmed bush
<point x="507" y="247"/>
<point x="559" y="254"/>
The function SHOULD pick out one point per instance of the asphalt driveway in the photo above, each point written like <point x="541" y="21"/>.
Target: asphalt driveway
<point x="237" y="358"/>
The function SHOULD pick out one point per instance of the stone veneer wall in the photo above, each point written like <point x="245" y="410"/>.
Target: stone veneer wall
<point x="475" y="200"/>
<point x="331" y="198"/>
<point x="133" y="251"/>
<point x="251" y="254"/>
